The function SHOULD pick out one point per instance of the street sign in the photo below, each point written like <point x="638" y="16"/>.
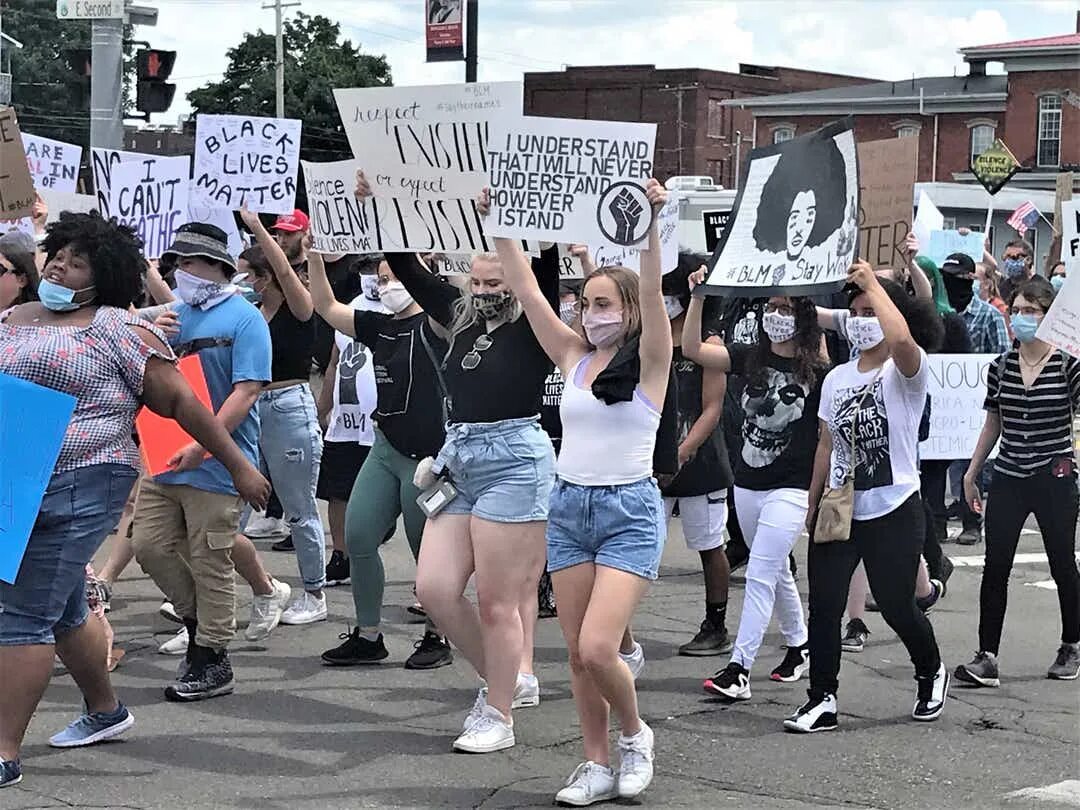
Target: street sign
<point x="89" y="9"/>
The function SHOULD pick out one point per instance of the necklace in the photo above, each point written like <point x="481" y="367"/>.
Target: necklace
<point x="1038" y="362"/>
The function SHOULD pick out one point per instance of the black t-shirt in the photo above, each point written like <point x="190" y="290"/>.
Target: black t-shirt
<point x="780" y="428"/>
<point x="550" y="420"/>
<point x="291" y="340"/>
<point x="346" y="282"/>
<point x="709" y="470"/>
<point x="409" y="409"/>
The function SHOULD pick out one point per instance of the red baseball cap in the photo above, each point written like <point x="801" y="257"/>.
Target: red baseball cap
<point x="296" y="221"/>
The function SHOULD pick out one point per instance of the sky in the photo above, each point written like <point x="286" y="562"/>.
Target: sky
<point x="880" y="39"/>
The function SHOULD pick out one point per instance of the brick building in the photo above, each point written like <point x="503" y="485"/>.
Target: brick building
<point x="698" y="134"/>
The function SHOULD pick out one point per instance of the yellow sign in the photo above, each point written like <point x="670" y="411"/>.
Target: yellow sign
<point x="995" y="166"/>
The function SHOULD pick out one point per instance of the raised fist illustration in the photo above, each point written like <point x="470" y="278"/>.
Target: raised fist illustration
<point x="626" y="211"/>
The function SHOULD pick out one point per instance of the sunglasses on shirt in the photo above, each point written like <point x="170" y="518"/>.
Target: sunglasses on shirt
<point x="472" y="358"/>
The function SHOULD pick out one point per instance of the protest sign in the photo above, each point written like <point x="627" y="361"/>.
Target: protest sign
<point x="616" y="256"/>
<point x="714" y="222"/>
<point x="151" y="196"/>
<point x="927" y="220"/>
<point x="957" y="391"/>
<point x="945" y="243"/>
<point x="59" y="201"/>
<point x="243" y="159"/>
<point x="887" y="173"/>
<point x="23" y="224"/>
<point x="103" y="162"/>
<point x="16" y="186"/>
<point x="33" y="423"/>
<point x="161" y="438"/>
<point x="570" y="266"/>
<point x="564" y="180"/>
<point x="994" y="166"/>
<point x="221" y="217"/>
<point x="667" y="224"/>
<point x="1070" y="235"/>
<point x="53" y="164"/>
<point x="794" y="227"/>
<point x="1061" y="324"/>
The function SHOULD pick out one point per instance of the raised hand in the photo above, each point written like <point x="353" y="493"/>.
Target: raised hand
<point x="626" y="211"/>
<point x="363" y="187"/>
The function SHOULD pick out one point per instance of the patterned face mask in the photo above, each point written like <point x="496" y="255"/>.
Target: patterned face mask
<point x="198" y="292"/>
<point x="492" y="305"/>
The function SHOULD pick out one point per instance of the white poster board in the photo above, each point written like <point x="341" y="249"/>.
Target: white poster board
<point x="222" y="218"/>
<point x="53" y="164"/>
<point x="927" y="220"/>
<point x="103" y="162"/>
<point x="957" y="393"/>
<point x="244" y="159"/>
<point x="1061" y="324"/>
<point x="151" y="196"/>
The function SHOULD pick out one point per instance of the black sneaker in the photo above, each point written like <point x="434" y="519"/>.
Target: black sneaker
<point x="1066" y="666"/>
<point x="284" y="545"/>
<point x="794" y="566"/>
<point x="855" y="635"/>
<point x="982" y="671"/>
<point x="337" y="570"/>
<point x="355" y="650"/>
<point x="432" y="652"/>
<point x="796" y="663"/>
<point x="737" y="556"/>
<point x="733" y="682"/>
<point x="208" y="675"/>
<point x="930" y="700"/>
<point x="817" y="714"/>
<point x="710" y="640"/>
<point x="926" y="603"/>
<point x="943" y="573"/>
<point x="969" y="537"/>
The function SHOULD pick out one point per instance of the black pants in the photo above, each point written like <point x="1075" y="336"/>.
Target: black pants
<point x="890" y="547"/>
<point x="1054" y="503"/>
<point x="935" y="480"/>
<point x="932" y="552"/>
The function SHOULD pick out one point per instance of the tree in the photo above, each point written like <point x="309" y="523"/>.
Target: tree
<point x="316" y="61"/>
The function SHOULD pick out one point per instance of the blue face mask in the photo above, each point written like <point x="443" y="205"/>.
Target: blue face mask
<point x="1057" y="282"/>
<point x="1024" y="327"/>
<point x="250" y="293"/>
<point x="58" y="298"/>
<point x="1014" y="267"/>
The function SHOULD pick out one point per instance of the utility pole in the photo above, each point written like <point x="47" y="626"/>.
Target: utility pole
<point x="106" y="84"/>
<point x="471" y="43"/>
<point x="678" y="91"/>
<point x="279" y="61"/>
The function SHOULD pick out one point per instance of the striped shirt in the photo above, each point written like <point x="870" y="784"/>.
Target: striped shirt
<point x="1036" y="423"/>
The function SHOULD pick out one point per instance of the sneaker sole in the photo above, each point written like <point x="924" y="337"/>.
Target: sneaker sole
<point x="795" y="728"/>
<point x="262" y="535"/>
<point x="713" y="689"/>
<point x="294" y="623"/>
<point x="525" y="702"/>
<point x="795" y="676"/>
<point x="1050" y="676"/>
<point x="601" y="797"/>
<point x="445" y="661"/>
<point x="500" y="746"/>
<point x="852" y="648"/>
<point x="11" y="782"/>
<point x="964" y="675"/>
<point x="333" y="583"/>
<point x="724" y="650"/>
<point x="926" y="718"/>
<point x="633" y="794"/>
<point x="101" y="736"/>
<point x="163" y="651"/>
<point x="354" y="662"/>
<point x="181" y="697"/>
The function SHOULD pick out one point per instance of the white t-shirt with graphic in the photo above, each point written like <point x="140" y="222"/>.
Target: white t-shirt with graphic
<point x="886" y="432"/>
<point x="355" y="394"/>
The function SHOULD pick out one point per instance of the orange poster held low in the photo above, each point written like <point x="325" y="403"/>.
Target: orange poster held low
<point x="160" y="438"/>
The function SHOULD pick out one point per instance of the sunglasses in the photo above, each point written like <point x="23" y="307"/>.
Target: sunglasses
<point x="472" y="358"/>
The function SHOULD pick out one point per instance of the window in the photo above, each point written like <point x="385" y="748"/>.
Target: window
<point x="716" y="119"/>
<point x="948" y="223"/>
<point x="1049" y="131"/>
<point x="907" y="131"/>
<point x="715" y="170"/>
<point x="781" y="134"/>
<point x="982" y="138"/>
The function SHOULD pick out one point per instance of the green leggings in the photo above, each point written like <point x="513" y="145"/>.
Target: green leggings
<point x="383" y="490"/>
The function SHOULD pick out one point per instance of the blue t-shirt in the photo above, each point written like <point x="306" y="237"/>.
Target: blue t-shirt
<point x="232" y="340"/>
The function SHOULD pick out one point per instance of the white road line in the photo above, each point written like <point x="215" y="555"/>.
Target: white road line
<point x="1067" y="792"/>
<point x="1020" y="559"/>
<point x="1047" y="584"/>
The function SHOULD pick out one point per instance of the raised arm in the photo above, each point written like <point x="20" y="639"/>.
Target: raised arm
<point x="335" y="313"/>
<point x="924" y="291"/>
<point x="902" y="346"/>
<point x="706" y="354"/>
<point x="296" y="295"/>
<point x="155" y="284"/>
<point x="655" y="346"/>
<point x="546" y="269"/>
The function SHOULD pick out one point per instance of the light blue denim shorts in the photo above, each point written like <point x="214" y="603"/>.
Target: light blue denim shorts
<point x="503" y="471"/>
<point x="621" y="527"/>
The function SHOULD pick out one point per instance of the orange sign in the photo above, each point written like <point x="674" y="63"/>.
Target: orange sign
<point x="160" y="438"/>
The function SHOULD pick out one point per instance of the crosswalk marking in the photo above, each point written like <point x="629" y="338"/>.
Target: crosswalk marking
<point x="976" y="561"/>
<point x="1067" y="792"/>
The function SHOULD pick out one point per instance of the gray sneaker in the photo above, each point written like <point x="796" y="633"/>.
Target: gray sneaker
<point x="983" y="671"/>
<point x="1067" y="664"/>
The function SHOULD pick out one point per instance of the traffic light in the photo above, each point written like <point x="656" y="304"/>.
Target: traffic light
<point x="153" y="94"/>
<point x="78" y="60"/>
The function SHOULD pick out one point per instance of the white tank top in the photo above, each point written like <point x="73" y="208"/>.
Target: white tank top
<point x="605" y="445"/>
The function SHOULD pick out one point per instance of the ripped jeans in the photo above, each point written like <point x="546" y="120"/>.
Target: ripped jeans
<point x="291" y="446"/>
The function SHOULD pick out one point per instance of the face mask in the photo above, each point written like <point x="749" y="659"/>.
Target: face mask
<point x="603" y="328"/>
<point x="250" y="294"/>
<point x="1014" y="267"/>
<point x="1057" y="282"/>
<point x="198" y="292"/>
<point x="395" y="297"/>
<point x="1025" y="327"/>
<point x="567" y="312"/>
<point x="976" y="288"/>
<point x="370" y="287"/>
<point x="864" y="333"/>
<point x="492" y="305"/>
<point x="59" y="298"/>
<point x="960" y="291"/>
<point x="673" y="306"/>
<point x="778" y="327"/>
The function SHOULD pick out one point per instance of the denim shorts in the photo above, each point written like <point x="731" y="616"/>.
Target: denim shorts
<point x="503" y="471"/>
<point x="619" y="527"/>
<point x="79" y="510"/>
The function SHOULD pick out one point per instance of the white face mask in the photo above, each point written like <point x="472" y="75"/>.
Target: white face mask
<point x="568" y="312"/>
<point x="673" y="306"/>
<point x="198" y="292"/>
<point x="395" y="297"/>
<point x="778" y="327"/>
<point x="864" y="333"/>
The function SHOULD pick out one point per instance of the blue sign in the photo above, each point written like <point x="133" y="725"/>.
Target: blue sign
<point x="33" y="422"/>
<point x="945" y="243"/>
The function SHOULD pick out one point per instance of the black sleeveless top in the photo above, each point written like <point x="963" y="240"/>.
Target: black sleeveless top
<point x="292" y="342"/>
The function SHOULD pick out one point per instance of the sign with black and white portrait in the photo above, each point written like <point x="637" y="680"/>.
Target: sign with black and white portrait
<point x="794" y="230"/>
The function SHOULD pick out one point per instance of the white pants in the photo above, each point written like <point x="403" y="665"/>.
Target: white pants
<point x="703" y="519"/>
<point x="771" y="522"/>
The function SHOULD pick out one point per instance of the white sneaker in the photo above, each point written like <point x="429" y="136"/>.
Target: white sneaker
<point x="477" y="709"/>
<point x="813" y="716"/>
<point x="305" y="609"/>
<point x="526" y="691"/>
<point x="262" y="527"/>
<point x="266" y="611"/>
<point x="588" y="784"/>
<point x="636" y="766"/>
<point x="635" y="659"/>
<point x="491" y="732"/>
<point x="177" y="645"/>
<point x="167" y="611"/>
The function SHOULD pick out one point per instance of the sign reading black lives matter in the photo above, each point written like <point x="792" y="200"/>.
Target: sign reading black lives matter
<point x="795" y="225"/>
<point x="562" y="180"/>
<point x="243" y="159"/>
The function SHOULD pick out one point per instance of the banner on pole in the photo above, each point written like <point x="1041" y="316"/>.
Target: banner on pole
<point x="444" y="30"/>
<point x="994" y="166"/>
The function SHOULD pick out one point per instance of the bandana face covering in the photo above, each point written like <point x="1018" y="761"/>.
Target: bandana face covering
<point x="198" y="292"/>
<point x="492" y="305"/>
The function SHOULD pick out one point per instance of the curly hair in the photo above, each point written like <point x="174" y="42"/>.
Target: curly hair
<point x="808" y="359"/>
<point x="113" y="251"/>
<point x="922" y="319"/>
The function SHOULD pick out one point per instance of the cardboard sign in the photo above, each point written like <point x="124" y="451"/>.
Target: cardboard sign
<point x="714" y="223"/>
<point x="563" y="180"/>
<point x="995" y="166"/>
<point x="1061" y="324"/>
<point x="103" y="162"/>
<point x="945" y="243"/>
<point x="16" y="186"/>
<point x="246" y="159"/>
<point x="33" y="423"/>
<point x="161" y="438"/>
<point x="887" y="174"/>
<point x="957" y="392"/>
<point x="53" y="164"/>
<point x="795" y="225"/>
<point x="151" y="196"/>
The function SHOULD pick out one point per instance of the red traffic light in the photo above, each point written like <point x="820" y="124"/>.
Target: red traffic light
<point x="154" y="65"/>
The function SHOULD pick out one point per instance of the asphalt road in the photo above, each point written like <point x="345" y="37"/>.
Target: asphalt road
<point x="299" y="735"/>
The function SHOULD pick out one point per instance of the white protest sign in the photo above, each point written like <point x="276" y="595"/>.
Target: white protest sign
<point x="957" y="392"/>
<point x="246" y="159"/>
<point x="1070" y="235"/>
<point x="53" y="164"/>
<point x="222" y="218"/>
<point x="614" y="256"/>
<point x="151" y="196"/>
<point x="1060" y="326"/>
<point x="24" y="224"/>
<point x="564" y="180"/>
<point x="340" y="223"/>
<point x="927" y="220"/>
<point x="103" y="162"/>
<point x="570" y="266"/>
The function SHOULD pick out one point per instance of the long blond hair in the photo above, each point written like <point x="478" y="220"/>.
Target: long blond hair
<point x="627" y="283"/>
<point x="465" y="313"/>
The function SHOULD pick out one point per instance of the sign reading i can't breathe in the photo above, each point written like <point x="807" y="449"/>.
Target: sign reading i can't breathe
<point x="562" y="180"/>
<point x="242" y="159"/>
<point x="151" y="196"/>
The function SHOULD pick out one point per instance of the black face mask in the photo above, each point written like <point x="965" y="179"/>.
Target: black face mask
<point x="959" y="291"/>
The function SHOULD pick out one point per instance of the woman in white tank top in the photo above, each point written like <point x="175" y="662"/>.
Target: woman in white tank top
<point x="606" y="525"/>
